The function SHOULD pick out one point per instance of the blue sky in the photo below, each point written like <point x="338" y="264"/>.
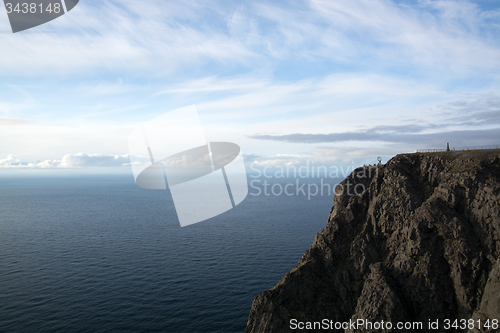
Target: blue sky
<point x="334" y="82"/>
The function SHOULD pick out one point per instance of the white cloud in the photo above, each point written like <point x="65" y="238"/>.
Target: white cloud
<point x="121" y="36"/>
<point x="450" y="38"/>
<point x="107" y="88"/>
<point x="70" y="161"/>
<point x="10" y="162"/>
<point x="11" y="122"/>
<point x="45" y="140"/>
<point x="302" y="100"/>
<point x="174" y="37"/>
<point x="215" y="84"/>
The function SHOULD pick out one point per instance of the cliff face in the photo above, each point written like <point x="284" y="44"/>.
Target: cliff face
<point x="421" y="242"/>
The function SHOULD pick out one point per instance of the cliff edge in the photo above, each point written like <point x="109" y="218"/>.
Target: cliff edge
<point x="418" y="240"/>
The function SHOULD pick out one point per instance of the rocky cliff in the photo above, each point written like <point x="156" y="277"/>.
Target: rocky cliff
<point x="414" y="240"/>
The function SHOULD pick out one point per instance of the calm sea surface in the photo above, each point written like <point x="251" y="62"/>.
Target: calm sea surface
<point x="95" y="253"/>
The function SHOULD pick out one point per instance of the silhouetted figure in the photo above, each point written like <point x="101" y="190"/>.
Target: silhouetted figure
<point x="447" y="146"/>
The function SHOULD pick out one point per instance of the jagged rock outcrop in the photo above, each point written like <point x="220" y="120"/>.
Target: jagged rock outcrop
<point x="414" y="240"/>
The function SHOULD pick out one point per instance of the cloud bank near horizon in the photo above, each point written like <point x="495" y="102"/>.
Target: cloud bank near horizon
<point x="69" y="161"/>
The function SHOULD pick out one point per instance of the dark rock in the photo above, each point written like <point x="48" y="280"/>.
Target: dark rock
<point x="420" y="243"/>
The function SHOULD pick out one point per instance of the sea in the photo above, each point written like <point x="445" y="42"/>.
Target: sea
<point x="96" y="253"/>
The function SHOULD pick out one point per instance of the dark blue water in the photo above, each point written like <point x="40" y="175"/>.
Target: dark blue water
<point x="95" y="253"/>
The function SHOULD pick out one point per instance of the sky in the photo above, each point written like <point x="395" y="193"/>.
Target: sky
<point x="325" y="82"/>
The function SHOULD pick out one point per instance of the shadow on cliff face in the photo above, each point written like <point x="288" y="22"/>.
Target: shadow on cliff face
<point x="420" y="245"/>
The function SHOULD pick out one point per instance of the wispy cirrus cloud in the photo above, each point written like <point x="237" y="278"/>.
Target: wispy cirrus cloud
<point x="455" y="35"/>
<point x="172" y="37"/>
<point x="216" y="84"/>
<point x="101" y="88"/>
<point x="122" y="35"/>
